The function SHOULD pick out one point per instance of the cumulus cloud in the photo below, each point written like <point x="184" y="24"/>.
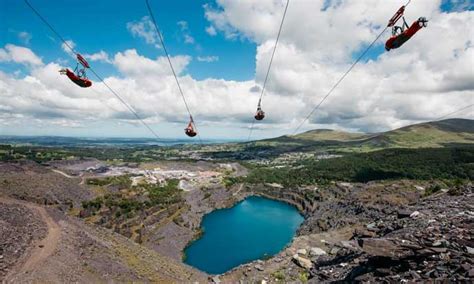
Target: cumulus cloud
<point x="319" y="41"/>
<point x="188" y="39"/>
<point x="144" y="29"/>
<point x="19" y="54"/>
<point x="431" y="75"/>
<point x="67" y="46"/>
<point x="131" y="63"/>
<point x="208" y="59"/>
<point x="210" y="30"/>
<point x="101" y="56"/>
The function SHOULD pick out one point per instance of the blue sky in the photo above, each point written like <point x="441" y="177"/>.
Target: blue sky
<point x="101" y="25"/>
<point x="108" y="32"/>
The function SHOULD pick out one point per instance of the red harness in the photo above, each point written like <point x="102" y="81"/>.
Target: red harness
<point x="398" y="40"/>
<point x="260" y="114"/>
<point x="190" y="130"/>
<point x="82" y="82"/>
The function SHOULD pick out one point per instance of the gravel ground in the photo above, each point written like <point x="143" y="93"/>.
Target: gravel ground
<point x="19" y="228"/>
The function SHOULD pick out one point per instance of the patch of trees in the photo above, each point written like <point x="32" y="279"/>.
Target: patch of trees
<point x="421" y="164"/>
<point x="122" y="181"/>
<point x="124" y="203"/>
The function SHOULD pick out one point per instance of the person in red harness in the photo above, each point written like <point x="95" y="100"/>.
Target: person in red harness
<point x="260" y="114"/>
<point x="190" y="129"/>
<point x="402" y="34"/>
<point x="79" y="75"/>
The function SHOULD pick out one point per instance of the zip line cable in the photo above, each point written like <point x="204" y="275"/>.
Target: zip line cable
<point x="160" y="36"/>
<point x="270" y="64"/>
<point x="273" y="52"/>
<point x="344" y="76"/>
<point x="339" y="81"/>
<point x="129" y="107"/>
<point x="456" y="111"/>
<point x="251" y="129"/>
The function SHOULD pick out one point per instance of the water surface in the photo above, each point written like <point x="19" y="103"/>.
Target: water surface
<point x="253" y="229"/>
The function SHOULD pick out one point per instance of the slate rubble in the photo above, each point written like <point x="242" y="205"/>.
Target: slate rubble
<point x="432" y="240"/>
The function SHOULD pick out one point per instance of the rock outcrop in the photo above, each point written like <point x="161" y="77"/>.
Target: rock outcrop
<point x="433" y="244"/>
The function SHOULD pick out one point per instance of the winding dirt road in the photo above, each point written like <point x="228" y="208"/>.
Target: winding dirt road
<point x="69" y="176"/>
<point x="62" y="173"/>
<point x="40" y="250"/>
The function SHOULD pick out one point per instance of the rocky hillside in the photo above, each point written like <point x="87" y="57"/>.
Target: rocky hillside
<point x="44" y="245"/>
<point x="395" y="232"/>
<point x="27" y="180"/>
<point x="432" y="239"/>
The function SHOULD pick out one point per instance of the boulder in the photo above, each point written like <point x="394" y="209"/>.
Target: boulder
<point x="302" y="251"/>
<point x="351" y="245"/>
<point x="363" y="233"/>
<point x="302" y="262"/>
<point x="385" y="247"/>
<point x="470" y="273"/>
<point x="403" y="213"/>
<point x="314" y="251"/>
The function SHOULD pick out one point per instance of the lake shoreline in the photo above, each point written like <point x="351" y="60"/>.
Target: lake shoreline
<point x="236" y="194"/>
<point x="261" y="216"/>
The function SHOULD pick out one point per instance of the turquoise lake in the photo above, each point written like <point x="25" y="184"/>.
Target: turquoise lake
<point x="254" y="228"/>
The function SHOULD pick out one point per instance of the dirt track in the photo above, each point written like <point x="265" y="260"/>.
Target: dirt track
<point x="40" y="250"/>
<point x="63" y="173"/>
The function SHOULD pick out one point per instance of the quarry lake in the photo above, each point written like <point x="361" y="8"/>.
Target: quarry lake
<point x="254" y="228"/>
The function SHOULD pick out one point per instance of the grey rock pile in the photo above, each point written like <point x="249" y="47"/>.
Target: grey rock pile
<point x="432" y="240"/>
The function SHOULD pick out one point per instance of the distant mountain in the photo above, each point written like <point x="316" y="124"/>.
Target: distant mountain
<point x="431" y="134"/>
<point x="442" y="133"/>
<point x="329" y="135"/>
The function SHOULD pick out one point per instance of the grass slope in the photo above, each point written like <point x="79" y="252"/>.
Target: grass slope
<point x="424" y="135"/>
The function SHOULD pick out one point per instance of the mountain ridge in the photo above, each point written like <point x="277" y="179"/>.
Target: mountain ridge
<point x="422" y="135"/>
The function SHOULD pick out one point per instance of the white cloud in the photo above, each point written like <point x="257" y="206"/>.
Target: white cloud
<point x="212" y="58"/>
<point x="144" y="29"/>
<point x="68" y="123"/>
<point x="210" y="30"/>
<point x="67" y="46"/>
<point x="188" y="39"/>
<point x="25" y="37"/>
<point x="429" y="76"/>
<point x="320" y="39"/>
<point x="183" y="25"/>
<point x="131" y="63"/>
<point x="19" y="54"/>
<point x="101" y="56"/>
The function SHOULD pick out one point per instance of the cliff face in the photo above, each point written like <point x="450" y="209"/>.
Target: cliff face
<point x="391" y="231"/>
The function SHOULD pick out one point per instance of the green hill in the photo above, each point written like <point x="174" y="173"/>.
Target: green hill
<point x="434" y="134"/>
<point x="329" y="135"/>
<point x="430" y="134"/>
